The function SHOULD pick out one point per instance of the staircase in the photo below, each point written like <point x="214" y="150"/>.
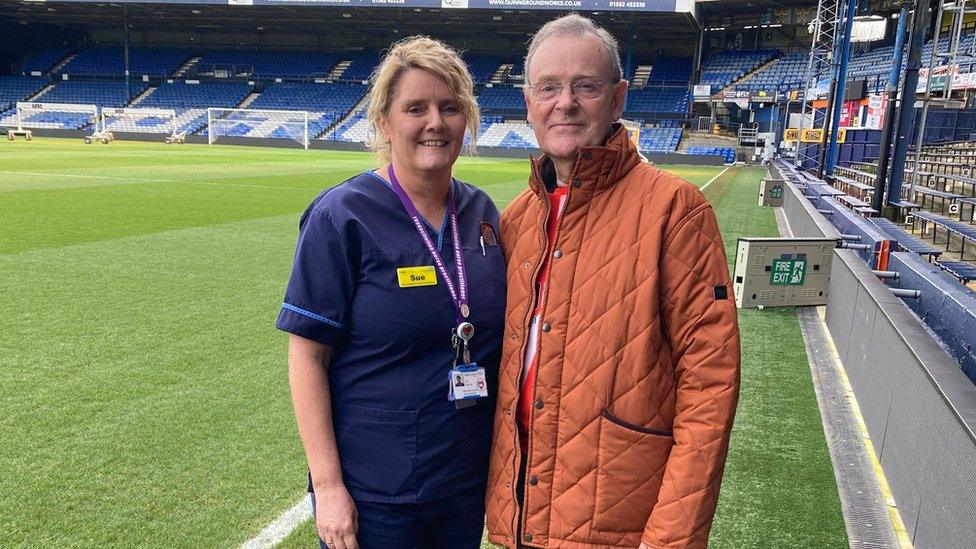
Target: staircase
<point x="337" y="70"/>
<point x="139" y="98"/>
<point x="44" y="90"/>
<point x="185" y="67"/>
<point x="360" y="106"/>
<point x="248" y="100"/>
<point x="501" y="73"/>
<point x="641" y="76"/>
<point x="63" y="62"/>
<point x="748" y="77"/>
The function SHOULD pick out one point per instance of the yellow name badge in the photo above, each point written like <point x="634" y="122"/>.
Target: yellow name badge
<point x="410" y="277"/>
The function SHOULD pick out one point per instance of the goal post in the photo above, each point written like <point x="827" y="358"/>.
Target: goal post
<point x="59" y="115"/>
<point x="263" y="123"/>
<point x="139" y="120"/>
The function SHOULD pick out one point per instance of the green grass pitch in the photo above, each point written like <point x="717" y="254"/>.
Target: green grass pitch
<point x="143" y="390"/>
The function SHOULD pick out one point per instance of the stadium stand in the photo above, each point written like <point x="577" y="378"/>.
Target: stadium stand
<point x="673" y="71"/>
<point x="104" y="93"/>
<point x="266" y="64"/>
<point x="18" y="88"/>
<point x="43" y="60"/>
<point x="727" y="153"/>
<point x="658" y="101"/>
<point x="784" y="74"/>
<point x="191" y="101"/>
<point x="502" y="98"/>
<point x="509" y="135"/>
<point x="110" y="62"/>
<point x="326" y="103"/>
<point x="725" y="67"/>
<point x="482" y="67"/>
<point x="659" y="140"/>
<point x="360" y="67"/>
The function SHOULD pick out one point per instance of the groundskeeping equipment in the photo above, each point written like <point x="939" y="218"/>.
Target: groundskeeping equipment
<point x="782" y="272"/>
<point x="59" y="116"/>
<point x="257" y="123"/>
<point x="140" y="120"/>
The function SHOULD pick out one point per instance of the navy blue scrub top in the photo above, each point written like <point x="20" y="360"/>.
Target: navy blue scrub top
<point x="399" y="438"/>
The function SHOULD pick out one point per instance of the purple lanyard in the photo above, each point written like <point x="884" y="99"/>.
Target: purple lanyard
<point x="459" y="295"/>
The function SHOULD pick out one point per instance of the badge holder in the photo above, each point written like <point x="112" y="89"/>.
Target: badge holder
<point x="466" y="381"/>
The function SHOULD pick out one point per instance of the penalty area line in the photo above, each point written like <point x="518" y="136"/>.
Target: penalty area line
<point x="285" y="524"/>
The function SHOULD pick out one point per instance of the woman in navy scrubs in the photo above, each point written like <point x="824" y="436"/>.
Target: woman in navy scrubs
<point x="398" y="291"/>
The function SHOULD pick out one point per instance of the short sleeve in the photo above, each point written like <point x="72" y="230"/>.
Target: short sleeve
<point x="320" y="289"/>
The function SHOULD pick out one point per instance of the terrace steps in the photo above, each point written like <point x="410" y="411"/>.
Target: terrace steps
<point x="42" y="91"/>
<point x="246" y="102"/>
<point x="338" y="70"/>
<point x="139" y="98"/>
<point x="749" y="76"/>
<point x="501" y="73"/>
<point x="360" y="106"/>
<point x="186" y="66"/>
<point x="61" y="64"/>
<point x="641" y="76"/>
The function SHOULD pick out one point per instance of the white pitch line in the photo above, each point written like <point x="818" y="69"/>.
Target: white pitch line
<point x="278" y="530"/>
<point x="705" y="186"/>
<point x="93" y="177"/>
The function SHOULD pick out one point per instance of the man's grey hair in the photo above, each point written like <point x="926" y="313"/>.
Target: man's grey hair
<point x="576" y="25"/>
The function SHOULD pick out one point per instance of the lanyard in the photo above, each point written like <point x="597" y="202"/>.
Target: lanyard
<point x="459" y="295"/>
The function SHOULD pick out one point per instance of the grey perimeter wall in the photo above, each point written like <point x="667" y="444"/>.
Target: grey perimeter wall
<point x="920" y="409"/>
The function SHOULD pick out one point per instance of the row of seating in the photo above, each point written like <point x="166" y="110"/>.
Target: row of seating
<point x="727" y="153"/>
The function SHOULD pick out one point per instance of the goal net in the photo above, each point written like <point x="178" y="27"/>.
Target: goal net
<point x="270" y="124"/>
<point x="68" y="116"/>
<point x="139" y="120"/>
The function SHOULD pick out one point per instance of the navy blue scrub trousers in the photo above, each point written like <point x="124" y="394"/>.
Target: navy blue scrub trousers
<point x="454" y="522"/>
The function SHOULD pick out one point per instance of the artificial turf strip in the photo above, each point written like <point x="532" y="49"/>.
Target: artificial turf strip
<point x="144" y="387"/>
<point x="779" y="488"/>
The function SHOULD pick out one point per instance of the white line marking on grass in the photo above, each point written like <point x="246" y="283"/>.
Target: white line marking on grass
<point x="93" y="177"/>
<point x="278" y="530"/>
<point x="705" y="186"/>
<point x="146" y="180"/>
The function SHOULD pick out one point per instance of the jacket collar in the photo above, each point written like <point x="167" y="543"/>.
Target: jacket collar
<point x="596" y="168"/>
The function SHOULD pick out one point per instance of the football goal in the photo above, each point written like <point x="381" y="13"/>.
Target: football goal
<point x="67" y="116"/>
<point x="139" y="120"/>
<point x="269" y="124"/>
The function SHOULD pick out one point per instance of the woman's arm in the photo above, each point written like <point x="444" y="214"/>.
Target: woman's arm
<point x="335" y="511"/>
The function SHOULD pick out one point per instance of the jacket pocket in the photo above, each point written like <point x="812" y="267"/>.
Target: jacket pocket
<point x="377" y="449"/>
<point x="630" y="468"/>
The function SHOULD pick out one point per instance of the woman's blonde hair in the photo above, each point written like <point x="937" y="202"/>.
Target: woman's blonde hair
<point x="433" y="56"/>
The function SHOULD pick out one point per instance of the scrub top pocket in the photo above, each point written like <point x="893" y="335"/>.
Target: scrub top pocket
<point x="368" y="433"/>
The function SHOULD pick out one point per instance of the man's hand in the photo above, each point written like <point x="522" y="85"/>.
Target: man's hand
<point x="336" y="518"/>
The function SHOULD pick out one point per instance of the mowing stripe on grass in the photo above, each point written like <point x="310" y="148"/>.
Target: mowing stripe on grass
<point x="280" y="527"/>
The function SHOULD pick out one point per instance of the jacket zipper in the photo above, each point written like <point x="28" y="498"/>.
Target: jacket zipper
<point x="525" y="341"/>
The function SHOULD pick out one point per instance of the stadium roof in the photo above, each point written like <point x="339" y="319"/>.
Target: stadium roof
<point x="354" y="27"/>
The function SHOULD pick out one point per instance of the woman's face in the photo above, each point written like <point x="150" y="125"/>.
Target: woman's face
<point x="424" y="125"/>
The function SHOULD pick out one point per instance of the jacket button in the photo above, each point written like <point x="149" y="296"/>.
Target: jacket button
<point x="533" y="481"/>
<point x="577" y="182"/>
<point x="528" y="537"/>
<point x="587" y="155"/>
<point x="527" y="265"/>
<point x="557" y="254"/>
<point x="539" y="404"/>
<point x="546" y="327"/>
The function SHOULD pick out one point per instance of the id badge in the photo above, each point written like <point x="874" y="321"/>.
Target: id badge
<point x="467" y="381"/>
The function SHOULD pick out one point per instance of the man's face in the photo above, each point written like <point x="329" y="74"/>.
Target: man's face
<point x="568" y="121"/>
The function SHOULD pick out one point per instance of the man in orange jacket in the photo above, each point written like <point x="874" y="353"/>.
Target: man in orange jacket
<point x="620" y="368"/>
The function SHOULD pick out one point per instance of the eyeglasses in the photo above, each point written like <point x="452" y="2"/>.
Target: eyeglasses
<point x="583" y="89"/>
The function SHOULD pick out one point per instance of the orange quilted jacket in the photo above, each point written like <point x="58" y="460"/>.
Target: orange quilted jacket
<point x="638" y="372"/>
